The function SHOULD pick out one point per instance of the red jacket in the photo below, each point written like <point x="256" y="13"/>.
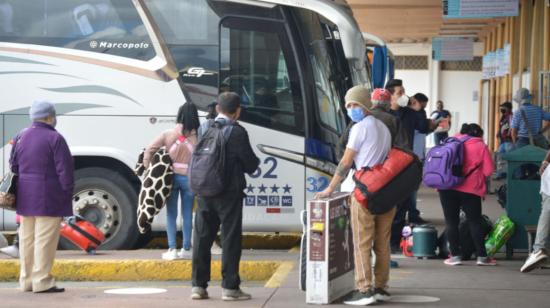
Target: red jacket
<point x="478" y="164"/>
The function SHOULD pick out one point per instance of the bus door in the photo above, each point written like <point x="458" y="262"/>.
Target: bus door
<point x="325" y="117"/>
<point x="257" y="62"/>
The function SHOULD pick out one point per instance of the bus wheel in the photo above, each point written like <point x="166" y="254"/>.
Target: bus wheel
<point x="106" y="199"/>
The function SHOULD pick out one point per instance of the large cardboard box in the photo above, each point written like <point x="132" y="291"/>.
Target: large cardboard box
<point x="329" y="249"/>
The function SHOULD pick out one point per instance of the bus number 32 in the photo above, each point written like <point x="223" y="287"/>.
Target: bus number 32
<point x="271" y="164"/>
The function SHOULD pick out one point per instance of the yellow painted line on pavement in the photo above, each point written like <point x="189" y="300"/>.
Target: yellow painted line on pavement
<point x="280" y="275"/>
<point x="138" y="270"/>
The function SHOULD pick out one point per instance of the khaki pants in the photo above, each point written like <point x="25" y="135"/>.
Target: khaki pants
<point x="38" y="237"/>
<point x="371" y="232"/>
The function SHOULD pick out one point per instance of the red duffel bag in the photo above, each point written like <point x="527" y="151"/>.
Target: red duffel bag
<point x="383" y="186"/>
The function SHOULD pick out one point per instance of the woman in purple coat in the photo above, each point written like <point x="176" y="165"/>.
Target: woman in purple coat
<point x="44" y="165"/>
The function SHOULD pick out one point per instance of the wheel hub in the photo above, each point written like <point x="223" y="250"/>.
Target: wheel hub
<point x="100" y="208"/>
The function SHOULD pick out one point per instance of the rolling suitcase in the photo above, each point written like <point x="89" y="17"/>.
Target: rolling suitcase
<point x="82" y="233"/>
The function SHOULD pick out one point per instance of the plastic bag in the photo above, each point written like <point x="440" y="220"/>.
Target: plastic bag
<point x="502" y="231"/>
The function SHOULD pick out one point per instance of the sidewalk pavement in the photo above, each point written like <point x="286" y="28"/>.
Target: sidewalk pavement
<point x="461" y="286"/>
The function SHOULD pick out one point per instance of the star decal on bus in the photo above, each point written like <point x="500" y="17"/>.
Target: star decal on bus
<point x="275" y="188"/>
<point x="286" y="189"/>
<point x="250" y="188"/>
<point x="262" y="188"/>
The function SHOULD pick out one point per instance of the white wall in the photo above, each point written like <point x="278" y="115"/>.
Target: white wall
<point x="456" y="90"/>
<point x="415" y="81"/>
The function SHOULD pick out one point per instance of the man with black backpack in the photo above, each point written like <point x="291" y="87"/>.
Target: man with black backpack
<point x="221" y="158"/>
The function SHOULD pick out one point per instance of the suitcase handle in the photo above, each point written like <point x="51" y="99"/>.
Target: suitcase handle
<point x="87" y="235"/>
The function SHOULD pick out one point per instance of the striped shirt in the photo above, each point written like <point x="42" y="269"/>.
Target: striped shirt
<point x="534" y="115"/>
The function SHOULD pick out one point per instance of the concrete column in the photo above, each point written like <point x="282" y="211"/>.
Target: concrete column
<point x="435" y="69"/>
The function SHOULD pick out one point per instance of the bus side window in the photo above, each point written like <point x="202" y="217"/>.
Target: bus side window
<point x="6" y="17"/>
<point x="102" y="26"/>
<point x="257" y="63"/>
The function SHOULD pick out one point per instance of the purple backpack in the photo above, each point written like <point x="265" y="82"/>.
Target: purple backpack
<point x="443" y="164"/>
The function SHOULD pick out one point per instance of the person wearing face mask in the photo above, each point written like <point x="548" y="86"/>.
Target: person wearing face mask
<point x="45" y="168"/>
<point x="407" y="113"/>
<point x="381" y="101"/>
<point x="368" y="145"/>
<point x="411" y="119"/>
<point x="505" y="138"/>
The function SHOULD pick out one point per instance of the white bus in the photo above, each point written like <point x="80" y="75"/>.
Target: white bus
<point x="119" y="69"/>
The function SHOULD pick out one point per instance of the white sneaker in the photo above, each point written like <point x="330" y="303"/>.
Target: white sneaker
<point x="235" y="295"/>
<point x="198" y="293"/>
<point x="185" y="254"/>
<point x="171" y="254"/>
<point x="216" y="249"/>
<point x="533" y="261"/>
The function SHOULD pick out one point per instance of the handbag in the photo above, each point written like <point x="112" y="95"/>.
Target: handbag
<point x="8" y="191"/>
<point x="8" y="184"/>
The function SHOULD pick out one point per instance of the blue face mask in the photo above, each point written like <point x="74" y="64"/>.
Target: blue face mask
<point x="356" y="114"/>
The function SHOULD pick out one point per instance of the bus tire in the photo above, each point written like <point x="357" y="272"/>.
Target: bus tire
<point x="108" y="200"/>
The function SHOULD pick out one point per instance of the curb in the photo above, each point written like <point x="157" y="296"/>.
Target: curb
<point x="139" y="270"/>
<point x="280" y="275"/>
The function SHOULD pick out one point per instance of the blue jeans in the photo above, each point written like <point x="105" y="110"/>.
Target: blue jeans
<point x="180" y="188"/>
<point x="542" y="240"/>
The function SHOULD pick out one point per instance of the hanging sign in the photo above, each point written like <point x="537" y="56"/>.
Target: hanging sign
<point x="480" y="8"/>
<point x="452" y="49"/>
<point x="489" y="65"/>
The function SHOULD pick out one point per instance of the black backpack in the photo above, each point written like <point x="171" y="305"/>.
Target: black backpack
<point x="207" y="166"/>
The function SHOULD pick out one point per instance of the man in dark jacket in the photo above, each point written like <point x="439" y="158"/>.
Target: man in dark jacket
<point x="225" y="209"/>
<point x="410" y="118"/>
<point x="45" y="168"/>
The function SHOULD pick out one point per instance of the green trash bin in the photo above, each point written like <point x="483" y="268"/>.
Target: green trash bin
<point x="523" y="200"/>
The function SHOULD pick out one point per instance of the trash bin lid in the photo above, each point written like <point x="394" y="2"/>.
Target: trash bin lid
<point x="526" y="153"/>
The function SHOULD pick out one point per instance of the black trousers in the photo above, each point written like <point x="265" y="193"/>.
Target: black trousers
<point x="452" y="201"/>
<point x="399" y="221"/>
<point x="226" y="210"/>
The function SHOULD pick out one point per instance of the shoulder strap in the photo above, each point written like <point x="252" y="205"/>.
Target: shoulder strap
<point x="185" y="141"/>
<point x="524" y="116"/>
<point x="226" y="128"/>
<point x="13" y="152"/>
<point x="204" y="127"/>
